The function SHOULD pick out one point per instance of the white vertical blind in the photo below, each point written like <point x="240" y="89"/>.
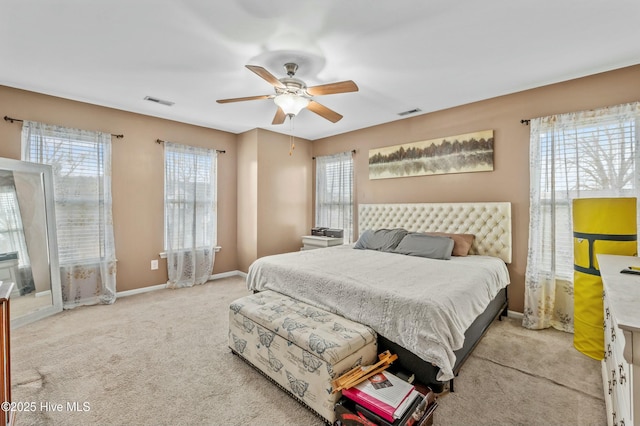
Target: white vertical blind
<point x="334" y="193"/>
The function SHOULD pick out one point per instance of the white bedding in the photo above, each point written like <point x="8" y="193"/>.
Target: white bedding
<point x="424" y="305"/>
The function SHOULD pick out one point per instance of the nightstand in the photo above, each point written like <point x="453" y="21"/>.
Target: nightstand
<point x="311" y="242"/>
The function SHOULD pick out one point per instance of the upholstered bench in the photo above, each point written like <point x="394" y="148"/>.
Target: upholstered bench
<point x="298" y="346"/>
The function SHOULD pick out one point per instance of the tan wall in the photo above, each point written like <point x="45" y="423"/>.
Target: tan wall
<point x="510" y="179"/>
<point x="284" y="193"/>
<point x="248" y="199"/>
<point x="137" y="181"/>
<point x="274" y="202"/>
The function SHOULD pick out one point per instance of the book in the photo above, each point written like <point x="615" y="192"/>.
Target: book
<point x="408" y="407"/>
<point x="383" y="394"/>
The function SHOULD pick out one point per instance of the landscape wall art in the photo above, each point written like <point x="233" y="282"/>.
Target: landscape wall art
<point x="470" y="152"/>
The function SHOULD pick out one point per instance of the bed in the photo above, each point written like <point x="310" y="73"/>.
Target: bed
<point x="430" y="312"/>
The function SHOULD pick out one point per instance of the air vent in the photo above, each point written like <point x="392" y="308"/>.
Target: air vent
<point x="158" y="101"/>
<point x="411" y="111"/>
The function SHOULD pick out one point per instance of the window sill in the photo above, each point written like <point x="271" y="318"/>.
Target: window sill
<point x="163" y="255"/>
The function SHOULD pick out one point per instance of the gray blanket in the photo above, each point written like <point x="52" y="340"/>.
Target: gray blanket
<point x="424" y="305"/>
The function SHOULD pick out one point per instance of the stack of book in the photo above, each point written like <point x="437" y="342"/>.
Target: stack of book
<point x="386" y="400"/>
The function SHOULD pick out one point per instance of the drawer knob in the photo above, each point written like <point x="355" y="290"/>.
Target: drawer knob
<point x="623" y="377"/>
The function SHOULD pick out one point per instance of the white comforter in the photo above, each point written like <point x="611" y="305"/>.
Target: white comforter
<point x="424" y="305"/>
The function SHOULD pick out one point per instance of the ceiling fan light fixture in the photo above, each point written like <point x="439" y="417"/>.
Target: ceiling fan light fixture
<point x="291" y="104"/>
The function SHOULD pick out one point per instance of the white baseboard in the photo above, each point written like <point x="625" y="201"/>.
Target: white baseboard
<point x="241" y="274"/>
<point x="44" y="293"/>
<point x="162" y="286"/>
<point x="140" y="290"/>
<point x="515" y="315"/>
<point x="235" y="273"/>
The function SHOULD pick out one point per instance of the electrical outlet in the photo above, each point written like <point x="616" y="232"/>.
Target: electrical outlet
<point x="154" y="264"/>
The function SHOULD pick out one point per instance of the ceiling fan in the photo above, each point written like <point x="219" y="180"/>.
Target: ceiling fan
<point x="292" y="94"/>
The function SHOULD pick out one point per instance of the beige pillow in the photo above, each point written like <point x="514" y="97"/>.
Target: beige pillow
<point x="461" y="242"/>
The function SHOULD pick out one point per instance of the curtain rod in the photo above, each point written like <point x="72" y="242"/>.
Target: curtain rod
<point x="219" y="151"/>
<point x="353" y="151"/>
<point x="525" y="121"/>
<point x="6" y="118"/>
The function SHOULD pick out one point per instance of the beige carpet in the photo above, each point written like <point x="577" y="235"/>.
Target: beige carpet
<point x="161" y="358"/>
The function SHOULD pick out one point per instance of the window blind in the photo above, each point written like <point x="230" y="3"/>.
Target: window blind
<point x="189" y="190"/>
<point x="11" y="229"/>
<point x="79" y="163"/>
<point x="593" y="158"/>
<point x="334" y="193"/>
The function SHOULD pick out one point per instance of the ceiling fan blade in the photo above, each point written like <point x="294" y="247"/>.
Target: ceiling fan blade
<point x="266" y="75"/>
<point x="279" y="117"/>
<point x="333" y="88"/>
<point x="248" y="98"/>
<point x="324" y="112"/>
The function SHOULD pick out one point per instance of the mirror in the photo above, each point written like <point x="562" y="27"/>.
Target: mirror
<point x="28" y="244"/>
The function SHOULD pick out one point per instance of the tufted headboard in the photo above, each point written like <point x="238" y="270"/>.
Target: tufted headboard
<point x="489" y="222"/>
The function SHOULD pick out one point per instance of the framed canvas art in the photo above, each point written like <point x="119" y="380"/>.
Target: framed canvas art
<point x="470" y="152"/>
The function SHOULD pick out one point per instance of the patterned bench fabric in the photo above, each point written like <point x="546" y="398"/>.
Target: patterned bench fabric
<point x="300" y="347"/>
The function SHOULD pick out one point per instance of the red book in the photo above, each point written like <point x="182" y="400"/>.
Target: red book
<point x="383" y="394"/>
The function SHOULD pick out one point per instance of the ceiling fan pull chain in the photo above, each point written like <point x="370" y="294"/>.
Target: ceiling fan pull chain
<point x="292" y="145"/>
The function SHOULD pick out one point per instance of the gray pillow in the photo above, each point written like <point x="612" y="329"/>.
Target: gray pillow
<point x="380" y="239"/>
<point x="418" y="244"/>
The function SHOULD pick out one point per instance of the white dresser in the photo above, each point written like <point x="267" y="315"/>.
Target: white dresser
<point x="621" y="363"/>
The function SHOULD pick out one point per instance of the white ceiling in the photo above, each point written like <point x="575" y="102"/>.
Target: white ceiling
<point x="403" y="54"/>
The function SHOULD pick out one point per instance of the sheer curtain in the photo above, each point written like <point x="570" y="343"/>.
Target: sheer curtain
<point x="334" y="192"/>
<point x="190" y="213"/>
<point x="81" y="165"/>
<point x="585" y="154"/>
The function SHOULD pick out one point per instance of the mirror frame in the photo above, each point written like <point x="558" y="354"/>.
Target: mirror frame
<point x="46" y="176"/>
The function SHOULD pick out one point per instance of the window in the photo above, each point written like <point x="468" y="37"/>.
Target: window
<point x="588" y="154"/>
<point x="81" y="165"/>
<point x="11" y="229"/>
<point x="590" y="160"/>
<point x="190" y="197"/>
<point x="334" y="193"/>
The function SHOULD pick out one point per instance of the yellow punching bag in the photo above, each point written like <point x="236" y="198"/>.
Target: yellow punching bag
<point x="600" y="226"/>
